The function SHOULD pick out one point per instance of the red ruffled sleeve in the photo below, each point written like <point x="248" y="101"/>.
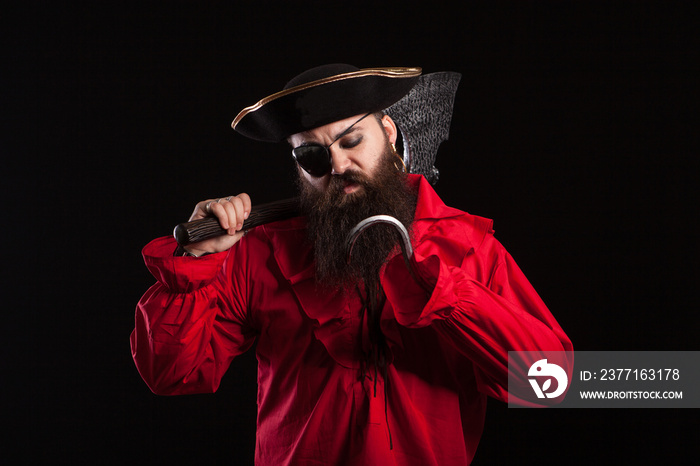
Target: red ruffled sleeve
<point x="479" y="300"/>
<point x="185" y="337"/>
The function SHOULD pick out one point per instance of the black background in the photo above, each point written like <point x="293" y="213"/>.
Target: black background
<point x="574" y="130"/>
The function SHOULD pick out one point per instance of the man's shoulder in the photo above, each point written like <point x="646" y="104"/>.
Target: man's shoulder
<point x="283" y="233"/>
<point x="475" y="223"/>
<point x="432" y="214"/>
<point x="458" y="226"/>
<point x="287" y="243"/>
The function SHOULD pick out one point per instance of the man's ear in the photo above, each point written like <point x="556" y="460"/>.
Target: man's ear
<point x="390" y="128"/>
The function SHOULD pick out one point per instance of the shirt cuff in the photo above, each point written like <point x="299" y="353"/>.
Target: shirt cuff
<point x="413" y="305"/>
<point x="180" y="274"/>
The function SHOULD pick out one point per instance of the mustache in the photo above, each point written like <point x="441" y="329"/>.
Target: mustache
<point x="335" y="191"/>
<point x="349" y="176"/>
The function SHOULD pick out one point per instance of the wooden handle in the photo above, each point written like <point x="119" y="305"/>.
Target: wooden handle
<point x="207" y="228"/>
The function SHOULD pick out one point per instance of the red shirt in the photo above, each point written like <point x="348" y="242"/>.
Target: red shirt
<point x="448" y="349"/>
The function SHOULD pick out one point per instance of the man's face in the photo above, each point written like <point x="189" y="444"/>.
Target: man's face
<point x="364" y="182"/>
<point x="356" y="151"/>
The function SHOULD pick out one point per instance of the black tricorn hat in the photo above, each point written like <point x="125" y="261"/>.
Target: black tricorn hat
<point x="323" y="95"/>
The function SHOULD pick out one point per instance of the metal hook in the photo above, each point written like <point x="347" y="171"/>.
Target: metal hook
<point x="405" y="241"/>
<point x="406" y="247"/>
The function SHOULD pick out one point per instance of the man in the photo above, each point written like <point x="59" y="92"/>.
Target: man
<point x="372" y="362"/>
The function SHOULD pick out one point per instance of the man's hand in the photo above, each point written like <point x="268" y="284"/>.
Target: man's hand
<point x="231" y="212"/>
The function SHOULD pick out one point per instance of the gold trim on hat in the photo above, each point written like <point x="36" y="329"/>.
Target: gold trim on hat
<point x="389" y="72"/>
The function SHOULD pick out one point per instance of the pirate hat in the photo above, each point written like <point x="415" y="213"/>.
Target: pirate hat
<point x="323" y="95"/>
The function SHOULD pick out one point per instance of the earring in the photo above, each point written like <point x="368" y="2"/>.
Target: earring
<point x="402" y="168"/>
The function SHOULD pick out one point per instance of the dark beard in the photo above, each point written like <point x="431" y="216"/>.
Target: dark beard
<point x="332" y="214"/>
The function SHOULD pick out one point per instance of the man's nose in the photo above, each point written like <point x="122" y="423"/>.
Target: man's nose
<point x="339" y="162"/>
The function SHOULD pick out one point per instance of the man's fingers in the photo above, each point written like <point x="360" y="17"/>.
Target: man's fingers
<point x="245" y="200"/>
<point x="231" y="211"/>
<point x="242" y="205"/>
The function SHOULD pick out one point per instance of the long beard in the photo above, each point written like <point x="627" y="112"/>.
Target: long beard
<point x="332" y="214"/>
